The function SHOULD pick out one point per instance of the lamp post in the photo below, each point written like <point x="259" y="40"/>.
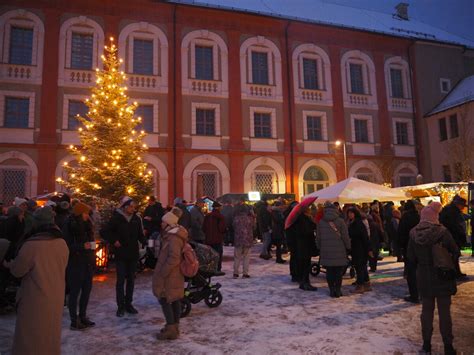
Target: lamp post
<point x="338" y="143"/>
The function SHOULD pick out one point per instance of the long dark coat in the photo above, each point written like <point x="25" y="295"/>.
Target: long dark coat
<point x="360" y="245"/>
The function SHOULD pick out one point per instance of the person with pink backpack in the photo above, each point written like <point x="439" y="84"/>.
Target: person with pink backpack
<point x="168" y="277"/>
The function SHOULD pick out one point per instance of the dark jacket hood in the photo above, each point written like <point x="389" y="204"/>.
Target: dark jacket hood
<point x="330" y="213"/>
<point x="426" y="233"/>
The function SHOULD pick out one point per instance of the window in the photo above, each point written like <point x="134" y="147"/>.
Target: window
<point x="205" y="122"/>
<point x="16" y="112"/>
<point x="397" y="83"/>
<point x="263" y="183"/>
<point x="21" y="46"/>
<point x="262" y="125"/>
<point x="204" y="63"/>
<point x="357" y="79"/>
<point x="146" y="113"/>
<point x="310" y="72"/>
<point x="314" y="129"/>
<point x="76" y="108"/>
<point x="453" y="126"/>
<point x="366" y="177"/>
<point x="402" y="133"/>
<point x="443" y="132"/>
<point x="12" y="184"/>
<point x="446" y="173"/>
<point x="143" y="56"/>
<point x="361" y="131"/>
<point x="407" y="180"/>
<point x="260" y="68"/>
<point x="445" y="85"/>
<point x="206" y="185"/>
<point x="81" y="51"/>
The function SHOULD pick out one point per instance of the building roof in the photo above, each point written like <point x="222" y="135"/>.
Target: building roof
<point x="461" y="94"/>
<point x="320" y="12"/>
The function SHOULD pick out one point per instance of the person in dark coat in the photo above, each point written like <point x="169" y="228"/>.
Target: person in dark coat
<point x="13" y="230"/>
<point x="432" y="287"/>
<point x="360" y="249"/>
<point x="304" y="245"/>
<point x="185" y="219"/>
<point x="333" y="242"/>
<point x="410" y="218"/>
<point x="228" y="213"/>
<point x="152" y="216"/>
<point x="197" y="220"/>
<point x="124" y="231"/>
<point x="62" y="213"/>
<point x="264" y="225"/>
<point x="278" y="229"/>
<point x="375" y="240"/>
<point x="79" y="236"/>
<point x="396" y="216"/>
<point x="214" y="228"/>
<point x="452" y="218"/>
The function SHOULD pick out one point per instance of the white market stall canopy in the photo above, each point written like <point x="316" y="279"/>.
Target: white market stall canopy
<point x="353" y="190"/>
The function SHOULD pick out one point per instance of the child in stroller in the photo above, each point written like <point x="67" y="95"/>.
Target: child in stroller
<point x="200" y="287"/>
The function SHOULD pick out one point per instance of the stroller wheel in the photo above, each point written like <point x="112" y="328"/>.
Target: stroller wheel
<point x="185" y="307"/>
<point x="214" y="299"/>
<point x="315" y="269"/>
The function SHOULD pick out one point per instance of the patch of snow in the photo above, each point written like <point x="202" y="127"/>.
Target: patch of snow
<point x="462" y="93"/>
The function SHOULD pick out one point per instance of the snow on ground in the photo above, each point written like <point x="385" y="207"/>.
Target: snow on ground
<point x="267" y="314"/>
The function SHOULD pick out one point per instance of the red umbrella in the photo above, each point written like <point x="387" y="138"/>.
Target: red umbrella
<point x="297" y="210"/>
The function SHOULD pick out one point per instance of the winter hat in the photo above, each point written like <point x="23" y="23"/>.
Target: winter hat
<point x="178" y="200"/>
<point x="431" y="212"/>
<point x="14" y="211"/>
<point x="125" y="201"/>
<point x="19" y="201"/>
<point x="50" y="203"/>
<point x="458" y="200"/>
<point x="44" y="216"/>
<point x="172" y="217"/>
<point x="80" y="208"/>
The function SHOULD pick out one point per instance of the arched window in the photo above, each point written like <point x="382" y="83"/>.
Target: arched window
<point x="312" y="75"/>
<point x="405" y="175"/>
<point x="265" y="175"/>
<point x="366" y="170"/>
<point x="81" y="43"/>
<point x="204" y="64"/>
<point x="18" y="176"/>
<point x="260" y="69"/>
<point x="21" y="47"/>
<point x="358" y="80"/>
<point x="144" y="49"/>
<point x="315" y="179"/>
<point x="397" y="81"/>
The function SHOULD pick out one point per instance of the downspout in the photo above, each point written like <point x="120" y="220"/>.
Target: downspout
<point x="413" y="103"/>
<point x="174" y="102"/>
<point x="290" y="113"/>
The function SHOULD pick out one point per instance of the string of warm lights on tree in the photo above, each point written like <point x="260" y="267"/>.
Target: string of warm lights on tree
<point x="109" y="158"/>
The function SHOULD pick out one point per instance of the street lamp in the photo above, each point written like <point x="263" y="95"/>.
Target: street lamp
<point x="338" y="143"/>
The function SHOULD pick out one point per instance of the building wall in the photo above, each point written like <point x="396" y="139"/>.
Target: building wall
<point x="176" y="154"/>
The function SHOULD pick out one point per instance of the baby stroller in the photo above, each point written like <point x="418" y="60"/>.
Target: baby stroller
<point x="317" y="268"/>
<point x="200" y="287"/>
<point x="148" y="259"/>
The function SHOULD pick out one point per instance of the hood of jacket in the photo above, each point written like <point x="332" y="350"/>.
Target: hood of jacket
<point x="330" y="213"/>
<point x="426" y="233"/>
<point x="177" y="230"/>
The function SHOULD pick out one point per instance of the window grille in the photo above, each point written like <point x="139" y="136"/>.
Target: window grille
<point x="262" y="125"/>
<point x="361" y="131"/>
<point x="143" y="56"/>
<point x="205" y="122"/>
<point x="310" y="72"/>
<point x="402" y="133"/>
<point x="146" y="113"/>
<point x="204" y="63"/>
<point x="21" y="46"/>
<point x="260" y="68"/>
<point x="314" y="130"/>
<point x="81" y="51"/>
<point x="76" y="108"/>
<point x="407" y="180"/>
<point x="365" y="177"/>
<point x="397" y="83"/>
<point x="263" y="183"/>
<point x="12" y="184"/>
<point x="16" y="112"/>
<point x="357" y="79"/>
<point x="206" y="185"/>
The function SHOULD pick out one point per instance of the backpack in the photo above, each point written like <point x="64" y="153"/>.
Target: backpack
<point x="189" y="263"/>
<point x="443" y="262"/>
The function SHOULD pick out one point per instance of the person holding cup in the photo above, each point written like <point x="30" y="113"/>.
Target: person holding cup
<point x="79" y="236"/>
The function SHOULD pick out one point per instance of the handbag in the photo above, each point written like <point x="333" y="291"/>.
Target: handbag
<point x="443" y="262"/>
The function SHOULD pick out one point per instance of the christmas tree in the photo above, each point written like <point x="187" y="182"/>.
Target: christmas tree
<point x="109" y="159"/>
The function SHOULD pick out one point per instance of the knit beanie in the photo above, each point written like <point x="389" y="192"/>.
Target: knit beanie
<point x="44" y="216"/>
<point x="80" y="208"/>
<point x="431" y="212"/>
<point x="172" y="217"/>
<point x="125" y="201"/>
<point x="19" y="201"/>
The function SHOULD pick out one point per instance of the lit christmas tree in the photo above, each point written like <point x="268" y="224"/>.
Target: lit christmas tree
<point x="109" y="160"/>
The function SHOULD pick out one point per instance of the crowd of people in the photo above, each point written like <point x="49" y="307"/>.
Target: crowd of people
<point x="52" y="248"/>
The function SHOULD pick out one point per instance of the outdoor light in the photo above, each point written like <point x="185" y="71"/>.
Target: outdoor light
<point x="254" y="196"/>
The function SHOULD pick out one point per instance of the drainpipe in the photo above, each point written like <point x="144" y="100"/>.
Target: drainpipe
<point x="413" y="101"/>
<point x="290" y="113"/>
<point x="174" y="102"/>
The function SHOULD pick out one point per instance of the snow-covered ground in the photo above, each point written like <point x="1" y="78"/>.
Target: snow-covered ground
<point x="267" y="314"/>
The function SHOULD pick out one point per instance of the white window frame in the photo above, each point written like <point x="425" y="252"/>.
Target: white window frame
<point x="206" y="106"/>
<point x="144" y="36"/>
<point x="20" y="94"/>
<point x="363" y="64"/>
<point x="324" y="124"/>
<point x="444" y="80"/>
<point x="260" y="49"/>
<point x="215" y="56"/>
<point x="155" y="105"/>
<point x="272" y="112"/>
<point x="319" y="64"/>
<point x="66" y="99"/>
<point x="370" y="128"/>
<point x="409" y="121"/>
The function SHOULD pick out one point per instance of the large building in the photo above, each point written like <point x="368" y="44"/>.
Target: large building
<point x="232" y="101"/>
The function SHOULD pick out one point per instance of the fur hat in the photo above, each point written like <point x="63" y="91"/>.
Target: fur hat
<point x="19" y="201"/>
<point x="80" y="208"/>
<point x="44" y="216"/>
<point x="431" y="212"/>
<point x="172" y="217"/>
<point x="125" y="201"/>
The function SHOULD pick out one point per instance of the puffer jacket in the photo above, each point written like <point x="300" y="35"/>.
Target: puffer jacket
<point x="331" y="243"/>
<point x="168" y="281"/>
<point x="422" y="238"/>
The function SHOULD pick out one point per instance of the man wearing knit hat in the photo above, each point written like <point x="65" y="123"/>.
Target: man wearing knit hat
<point x="80" y="270"/>
<point x="124" y="231"/>
<point x="434" y="286"/>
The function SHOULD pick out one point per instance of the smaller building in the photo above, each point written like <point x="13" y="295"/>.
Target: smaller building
<point x="451" y="134"/>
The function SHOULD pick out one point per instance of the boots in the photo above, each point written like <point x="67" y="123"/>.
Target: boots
<point x="358" y="289"/>
<point x="77" y="325"/>
<point x="171" y="332"/>
<point x="308" y="287"/>
<point x="426" y="349"/>
<point x="449" y="350"/>
<point x="367" y="287"/>
<point x="332" y="291"/>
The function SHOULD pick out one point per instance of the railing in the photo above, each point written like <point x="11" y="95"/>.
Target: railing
<point x="18" y="72"/>
<point x="359" y="99"/>
<point x="401" y="104"/>
<point x="143" y="81"/>
<point x="79" y="77"/>
<point x="311" y="95"/>
<point x="206" y="86"/>
<point x="263" y="91"/>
